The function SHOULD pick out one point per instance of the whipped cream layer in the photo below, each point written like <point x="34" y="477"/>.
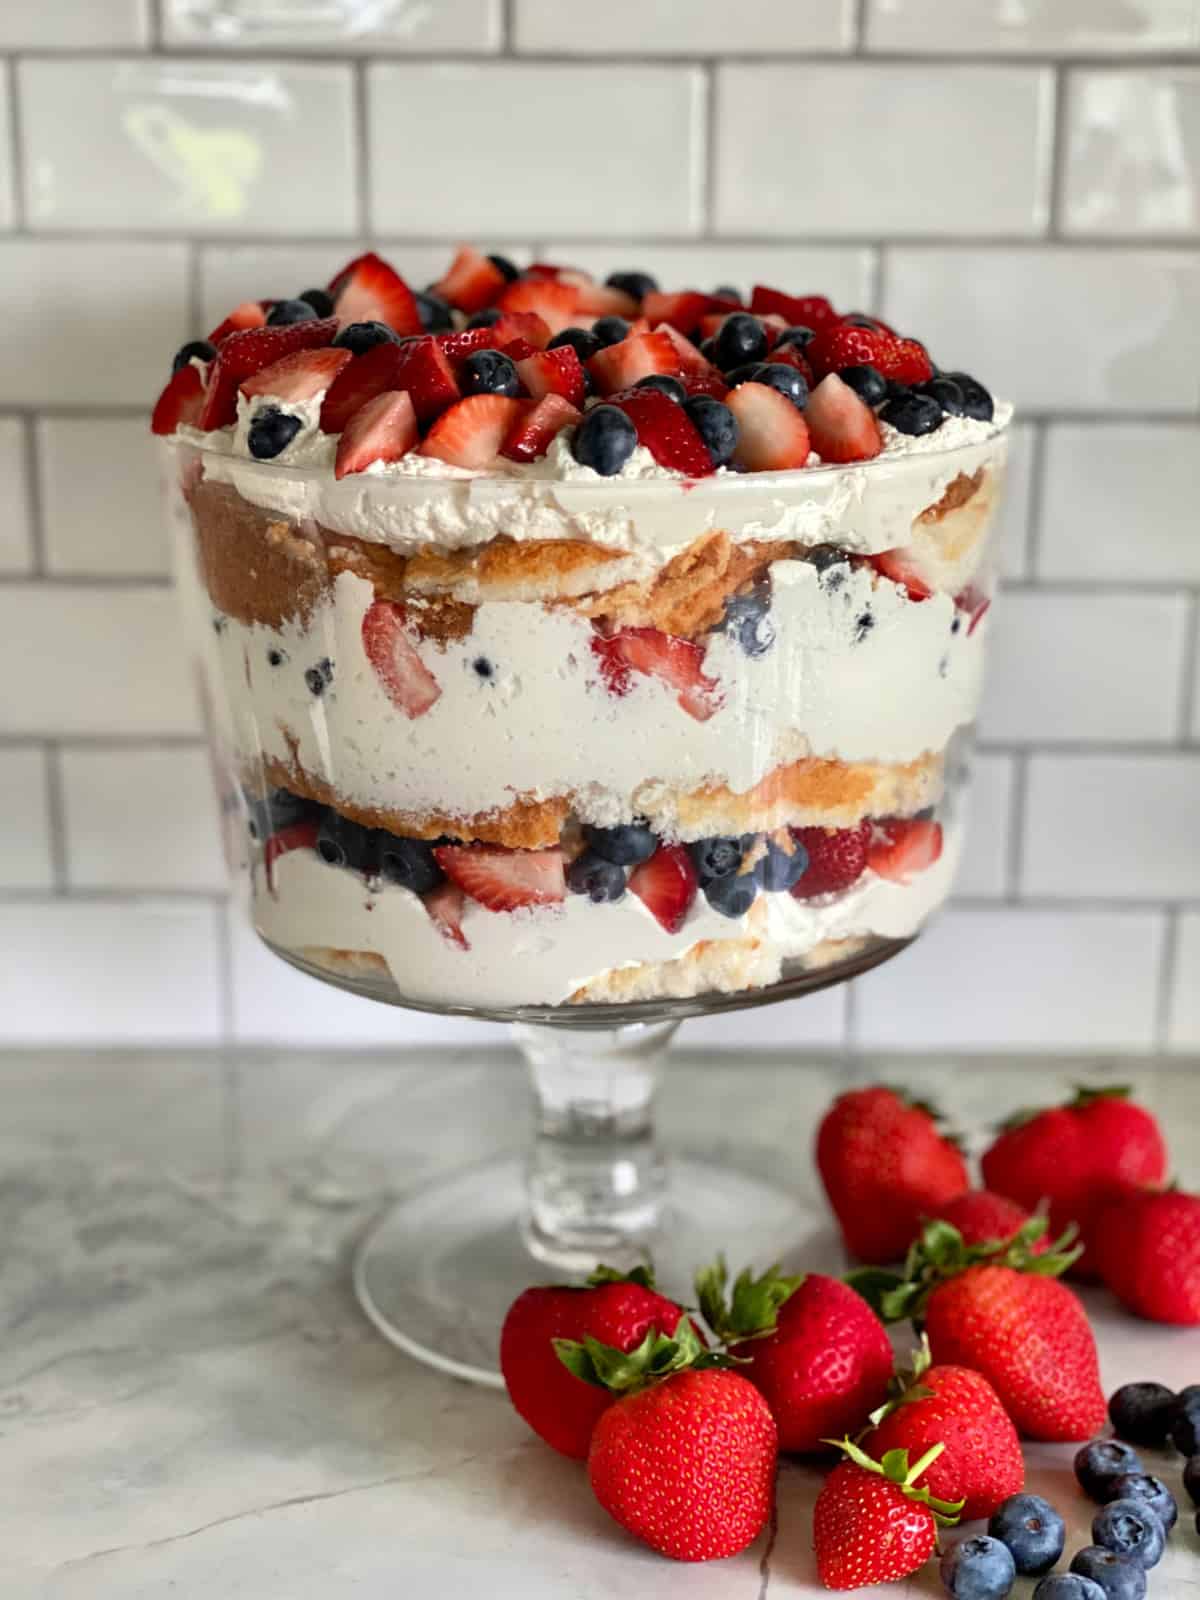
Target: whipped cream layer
<point x="856" y="672"/>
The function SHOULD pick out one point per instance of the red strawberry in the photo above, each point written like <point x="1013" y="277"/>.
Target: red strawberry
<point x="471" y="432"/>
<point x="773" y="436"/>
<point x="557" y="371"/>
<point x="296" y="836"/>
<point x="840" y="425"/>
<point x="445" y="907"/>
<point x="676" y="662"/>
<point x="504" y="880"/>
<point x="872" y="1523"/>
<point x="299" y="376"/>
<point x="471" y="282"/>
<point x="885" y="1165"/>
<point x="619" y="366"/>
<point x="420" y="366"/>
<point x="182" y="401"/>
<point x="369" y="290"/>
<point x="602" y="300"/>
<point x="789" y="356"/>
<point x="1001" y="1311"/>
<point x="519" y="350"/>
<point x="250" y="314"/>
<point x="383" y="430"/>
<point x="901" y="566"/>
<point x="698" y="374"/>
<point x="666" y="885"/>
<point x="243" y="354"/>
<point x="1154" y="1271"/>
<point x="846" y="344"/>
<point x="683" y="311"/>
<point x="982" y="1463"/>
<point x="547" y="272"/>
<point x="512" y="328"/>
<point x="407" y="682"/>
<point x="797" y="310"/>
<point x="553" y="302"/>
<point x="981" y="1216"/>
<point x="904" y="845"/>
<point x="837" y="859"/>
<point x="666" y="430"/>
<point x="785" y="1329"/>
<point x="1074" y="1156"/>
<point x="908" y="362"/>
<point x="533" y="432"/>
<point x="618" y="1311"/>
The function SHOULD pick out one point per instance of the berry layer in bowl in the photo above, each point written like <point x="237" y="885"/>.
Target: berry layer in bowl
<point x="521" y="708"/>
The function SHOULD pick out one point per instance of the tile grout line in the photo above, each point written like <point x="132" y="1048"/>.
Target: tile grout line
<point x="705" y="164"/>
<point x="858" y="23"/>
<point x="1015" y="842"/>
<point x="56" y="819"/>
<point x="508" y="33"/>
<point x="1188" y="709"/>
<point x="11" y="139"/>
<point x="31" y="458"/>
<point x="362" y="151"/>
<point x="1039" y="444"/>
<point x="1056" y="189"/>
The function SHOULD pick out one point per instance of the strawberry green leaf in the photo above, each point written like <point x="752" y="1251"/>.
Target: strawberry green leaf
<point x="895" y="1467"/>
<point x="623" y="1371"/>
<point x="643" y="1276"/>
<point x="1086" y="1096"/>
<point x="752" y="1310"/>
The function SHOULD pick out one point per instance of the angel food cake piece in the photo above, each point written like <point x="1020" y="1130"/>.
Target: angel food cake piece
<point x="573" y="642"/>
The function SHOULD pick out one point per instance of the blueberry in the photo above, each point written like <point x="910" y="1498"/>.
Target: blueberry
<point x="409" y="862"/>
<point x="827" y="556"/>
<point x="717" y="858"/>
<point x="1099" y="1464"/>
<point x="715" y="424"/>
<point x="1033" y="1531"/>
<point x="1068" y="1586"/>
<point x="744" y="374"/>
<point x="867" y="383"/>
<point x="946" y="392"/>
<point x="740" y="338"/>
<point x="1120" y="1577"/>
<point x="489" y="372"/>
<point x="592" y="875"/>
<point x="708" y="348"/>
<point x="359" y="337"/>
<point x="977" y="402"/>
<point x="276" y="657"/>
<point x="790" y="383"/>
<point x="483" y="668"/>
<point x="319" y="678"/>
<point x="726" y="291"/>
<point x="779" y="868"/>
<point x="978" y="1569"/>
<point x="665" y="384"/>
<point x="343" y="843"/>
<point x="487" y="318"/>
<point x="284" y="312"/>
<point x="504" y="265"/>
<point x="271" y="432"/>
<point x="319" y="299"/>
<point x="799" y="336"/>
<point x="582" y="340"/>
<point x="747" y="620"/>
<point x="610" y="330"/>
<point x="1150" y="1491"/>
<point x="624" y="846"/>
<point x="1141" y="1412"/>
<point x="1130" y="1528"/>
<point x="1185" y="1421"/>
<point x="912" y="413"/>
<point x="604" y="440"/>
<point x="732" y="896"/>
<point x="434" y="312"/>
<point x="1191" y="1479"/>
<point x="638" y="284"/>
<point x="278" y="808"/>
<point x="200" y="348"/>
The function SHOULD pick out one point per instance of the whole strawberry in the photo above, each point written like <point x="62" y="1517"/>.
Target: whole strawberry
<point x="814" y="1348"/>
<point x="1000" y="1310"/>
<point x="980" y="1216"/>
<point x="616" y="1310"/>
<point x="1073" y="1156"/>
<point x="885" y="1167"/>
<point x="871" y="1523"/>
<point x="1151" y="1261"/>
<point x="954" y="1406"/>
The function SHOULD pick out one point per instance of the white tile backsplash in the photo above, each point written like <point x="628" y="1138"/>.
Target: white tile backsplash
<point x="617" y="154"/>
<point x="772" y="175"/>
<point x="74" y="24"/>
<point x="341" y="25"/>
<point x="985" y="868"/>
<point x="1183" y="1022"/>
<point x="26" y="860"/>
<point x="101" y="508"/>
<point x="16" y="520"/>
<point x="845" y="273"/>
<point x="1055" y="27"/>
<point x="1133" y="152"/>
<point x="702" y="27"/>
<point x="8" y="186"/>
<point x="1015" y="532"/>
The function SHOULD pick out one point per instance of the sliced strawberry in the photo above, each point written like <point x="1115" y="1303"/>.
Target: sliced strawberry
<point x="296" y="836"/>
<point x="683" y="311"/>
<point x="471" y="282"/>
<point x="837" y="858"/>
<point x="182" y="401"/>
<point x="250" y="314"/>
<point x="975" y="603"/>
<point x="676" y="662"/>
<point x="445" y="907"/>
<point x="407" y="682"/>
<point x="557" y="371"/>
<point x="772" y="434"/>
<point x="901" y="567"/>
<point x="666" y="885"/>
<point x="524" y="325"/>
<point x="619" y="366"/>
<point x="547" y="272"/>
<point x="299" y="376"/>
<point x="420" y="366"/>
<point x="908" y="362"/>
<point x="512" y="328"/>
<point x="383" y="430"/>
<point x="471" y="432"/>
<point x="460" y="345"/>
<point x="243" y="354"/>
<point x="369" y="290"/>
<point x="846" y="344"/>
<point x="666" y="430"/>
<point x="902" y="846"/>
<point x="533" y="433"/>
<point x="553" y="302"/>
<point x="504" y="880"/>
<point x="690" y="360"/>
<point x="710" y="382"/>
<point x="797" y="310"/>
<point x="519" y="350"/>
<point x="841" y="426"/>
<point x="789" y="356"/>
<point x="602" y="300"/>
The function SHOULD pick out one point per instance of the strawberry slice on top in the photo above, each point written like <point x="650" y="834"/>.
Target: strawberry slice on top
<point x="383" y="430"/>
<point x="666" y="885"/>
<point x="683" y="311"/>
<point x="554" y="302"/>
<point x="772" y="434"/>
<point x="243" y="354"/>
<point x="536" y="430"/>
<point x="406" y="680"/>
<point x="420" y="366"/>
<point x="471" y="432"/>
<point x="250" y="314"/>
<point x="841" y="426"/>
<point x="299" y="376"/>
<point x="504" y="880"/>
<point x="471" y="282"/>
<point x="666" y="430"/>
<point x="181" y="402"/>
<point x="369" y="290"/>
<point x="902" y="846"/>
<point x="556" y="371"/>
<point x="620" y="366"/>
<point x="797" y="310"/>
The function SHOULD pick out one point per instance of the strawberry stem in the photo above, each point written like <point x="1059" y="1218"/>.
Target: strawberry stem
<point x="894" y="1466"/>
<point x="659" y="1356"/>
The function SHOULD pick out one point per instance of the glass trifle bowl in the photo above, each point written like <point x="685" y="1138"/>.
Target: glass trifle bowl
<point x="589" y="753"/>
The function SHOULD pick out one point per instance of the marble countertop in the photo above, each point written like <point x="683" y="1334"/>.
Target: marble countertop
<point x="191" y="1404"/>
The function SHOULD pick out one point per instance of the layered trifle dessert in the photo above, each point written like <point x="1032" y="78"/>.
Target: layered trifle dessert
<point x="571" y="643"/>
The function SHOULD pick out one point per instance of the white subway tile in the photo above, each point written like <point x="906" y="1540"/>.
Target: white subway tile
<point x="141" y="819"/>
<point x="818" y="1021"/>
<point x="771" y="26"/>
<point x="1183" y="1026"/>
<point x="25" y="857"/>
<point x="73" y="24"/>
<point x="109" y="972"/>
<point x="843" y="272"/>
<point x="8" y="185"/>
<point x="1060" y="27"/>
<point x="1119" y="501"/>
<point x="16" y="522"/>
<point x="1133" y="152"/>
<point x="870" y="172"/>
<point x="189" y="146"/>
<point x="616" y="152"/>
<point x="983" y="873"/>
<point x="1071" y="666"/>
<point x="335" y="26"/>
<point x="108" y="660"/>
<point x="1195" y="729"/>
<point x="101" y="506"/>
<point x="1015" y="528"/>
<point x="99" y="320"/>
<point x="1091" y="330"/>
<point x="1112" y="827"/>
<point x="1015" y="978"/>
